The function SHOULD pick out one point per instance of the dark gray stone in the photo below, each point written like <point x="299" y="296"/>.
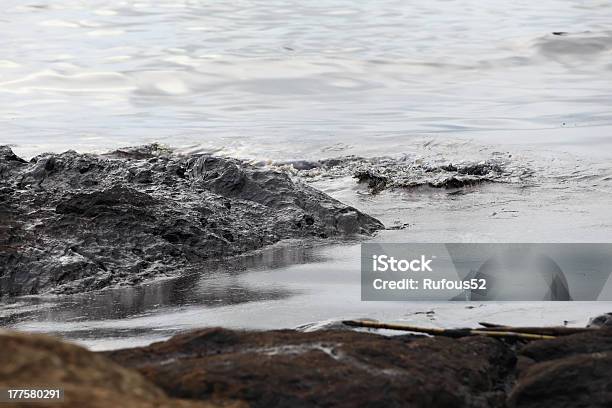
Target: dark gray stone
<point x="75" y="222"/>
<point x="388" y="173"/>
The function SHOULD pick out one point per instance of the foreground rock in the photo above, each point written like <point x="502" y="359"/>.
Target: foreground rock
<point x="88" y="379"/>
<point x="572" y="371"/>
<point x="76" y="222"/>
<point x="356" y="369"/>
<point x="330" y="368"/>
<point x="326" y="368"/>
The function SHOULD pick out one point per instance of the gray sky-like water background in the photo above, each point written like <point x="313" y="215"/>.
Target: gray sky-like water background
<point x="282" y="80"/>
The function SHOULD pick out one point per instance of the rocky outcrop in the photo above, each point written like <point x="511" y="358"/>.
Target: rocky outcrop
<point x="383" y="173"/>
<point x="577" y="381"/>
<point x="77" y="222"/>
<point x="572" y="371"/>
<point x="336" y="368"/>
<point x="326" y="368"/>
<point x="331" y="368"/>
<point x="596" y="341"/>
<point x="88" y="379"/>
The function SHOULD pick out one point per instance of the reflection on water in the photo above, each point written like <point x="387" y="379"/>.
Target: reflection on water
<point x="213" y="285"/>
<point x="284" y="78"/>
<point x="306" y="288"/>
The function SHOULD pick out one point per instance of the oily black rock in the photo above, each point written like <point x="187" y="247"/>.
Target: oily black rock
<point x="389" y="173"/>
<point x="75" y="222"/>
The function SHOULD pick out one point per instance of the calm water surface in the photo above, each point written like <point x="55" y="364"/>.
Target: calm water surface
<point x="280" y="79"/>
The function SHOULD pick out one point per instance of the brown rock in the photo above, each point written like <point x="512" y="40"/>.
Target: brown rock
<point x="563" y="347"/>
<point x="569" y="371"/>
<point x="326" y="368"/>
<point x="581" y="380"/>
<point x="88" y="379"/>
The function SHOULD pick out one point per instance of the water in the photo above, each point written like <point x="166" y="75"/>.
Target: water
<point x="279" y="80"/>
<point x="285" y="78"/>
<point x="282" y="287"/>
